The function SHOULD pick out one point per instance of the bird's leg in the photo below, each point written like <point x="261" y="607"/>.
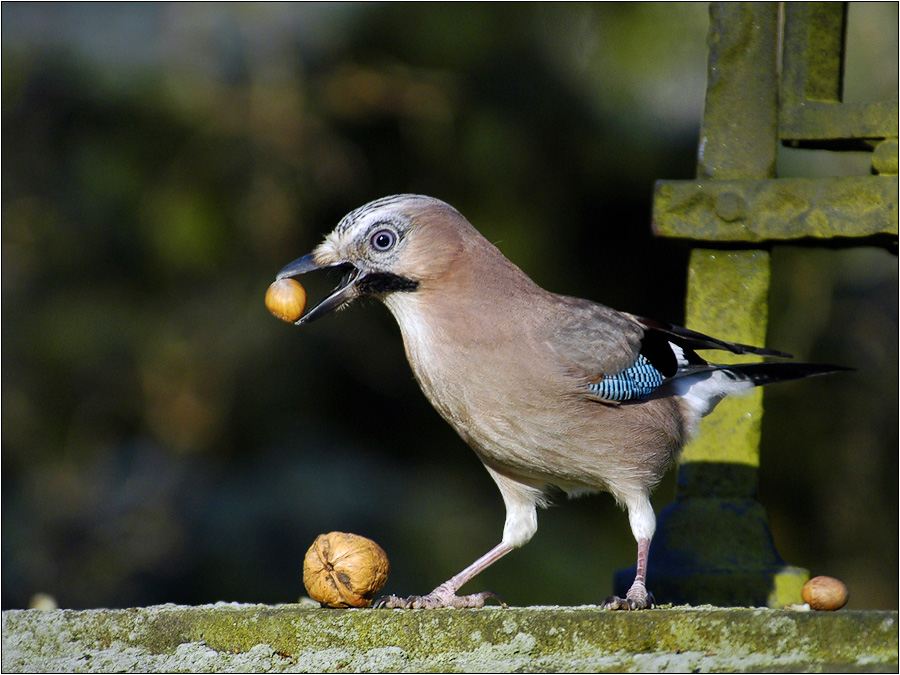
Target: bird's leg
<point x="637" y="597"/>
<point x="445" y="594"/>
<point x="521" y="524"/>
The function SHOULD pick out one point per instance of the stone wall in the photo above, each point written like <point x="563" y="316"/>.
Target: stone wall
<point x="305" y="638"/>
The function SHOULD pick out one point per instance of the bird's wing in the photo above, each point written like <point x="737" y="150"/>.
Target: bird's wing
<point x="592" y="339"/>
<point x="690" y="340"/>
<point x="620" y="357"/>
<point x="602" y="349"/>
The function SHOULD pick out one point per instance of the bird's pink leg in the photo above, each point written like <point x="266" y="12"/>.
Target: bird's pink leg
<point x="445" y="594"/>
<point x="638" y="597"/>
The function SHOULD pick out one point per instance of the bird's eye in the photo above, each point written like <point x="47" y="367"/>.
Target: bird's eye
<point x="383" y="240"/>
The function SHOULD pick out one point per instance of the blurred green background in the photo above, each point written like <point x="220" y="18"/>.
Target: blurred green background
<point x="164" y="439"/>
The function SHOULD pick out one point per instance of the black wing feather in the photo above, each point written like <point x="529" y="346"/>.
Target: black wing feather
<point x="690" y="340"/>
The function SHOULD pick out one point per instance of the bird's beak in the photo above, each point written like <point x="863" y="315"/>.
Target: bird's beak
<point x="346" y="291"/>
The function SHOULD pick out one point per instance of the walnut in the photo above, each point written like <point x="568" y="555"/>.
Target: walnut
<point x="286" y="299"/>
<point x="344" y="570"/>
<point x="825" y="593"/>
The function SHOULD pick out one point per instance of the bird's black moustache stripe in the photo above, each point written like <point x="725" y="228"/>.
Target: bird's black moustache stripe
<point x="379" y="283"/>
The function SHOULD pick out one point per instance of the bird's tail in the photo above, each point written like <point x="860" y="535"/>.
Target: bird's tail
<point x="703" y="386"/>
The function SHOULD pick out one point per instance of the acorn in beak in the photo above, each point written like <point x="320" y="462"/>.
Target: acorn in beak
<point x="346" y="292"/>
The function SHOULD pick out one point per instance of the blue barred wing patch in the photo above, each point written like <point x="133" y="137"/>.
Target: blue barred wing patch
<point x="638" y="381"/>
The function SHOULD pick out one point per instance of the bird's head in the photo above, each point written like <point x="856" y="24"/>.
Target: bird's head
<point x="392" y="245"/>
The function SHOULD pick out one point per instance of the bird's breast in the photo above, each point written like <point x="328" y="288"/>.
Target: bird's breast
<point x="502" y="392"/>
<point x="473" y="370"/>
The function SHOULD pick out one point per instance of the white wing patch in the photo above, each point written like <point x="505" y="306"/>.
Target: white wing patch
<point x="679" y="354"/>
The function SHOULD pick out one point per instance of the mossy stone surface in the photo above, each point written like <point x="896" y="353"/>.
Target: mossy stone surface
<point x="303" y="638"/>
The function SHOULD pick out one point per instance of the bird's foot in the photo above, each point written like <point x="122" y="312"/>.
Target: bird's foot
<point x="638" y="597"/>
<point x="439" y="597"/>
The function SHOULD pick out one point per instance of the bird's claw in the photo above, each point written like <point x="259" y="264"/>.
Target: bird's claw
<point x="631" y="601"/>
<point x="436" y="599"/>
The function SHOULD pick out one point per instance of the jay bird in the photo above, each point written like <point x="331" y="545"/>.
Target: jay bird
<point x="551" y="392"/>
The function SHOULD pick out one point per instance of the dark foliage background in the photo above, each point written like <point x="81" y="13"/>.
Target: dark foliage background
<point x="166" y="440"/>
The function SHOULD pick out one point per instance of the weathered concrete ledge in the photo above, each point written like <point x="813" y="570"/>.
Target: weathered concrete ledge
<point x="303" y="638"/>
